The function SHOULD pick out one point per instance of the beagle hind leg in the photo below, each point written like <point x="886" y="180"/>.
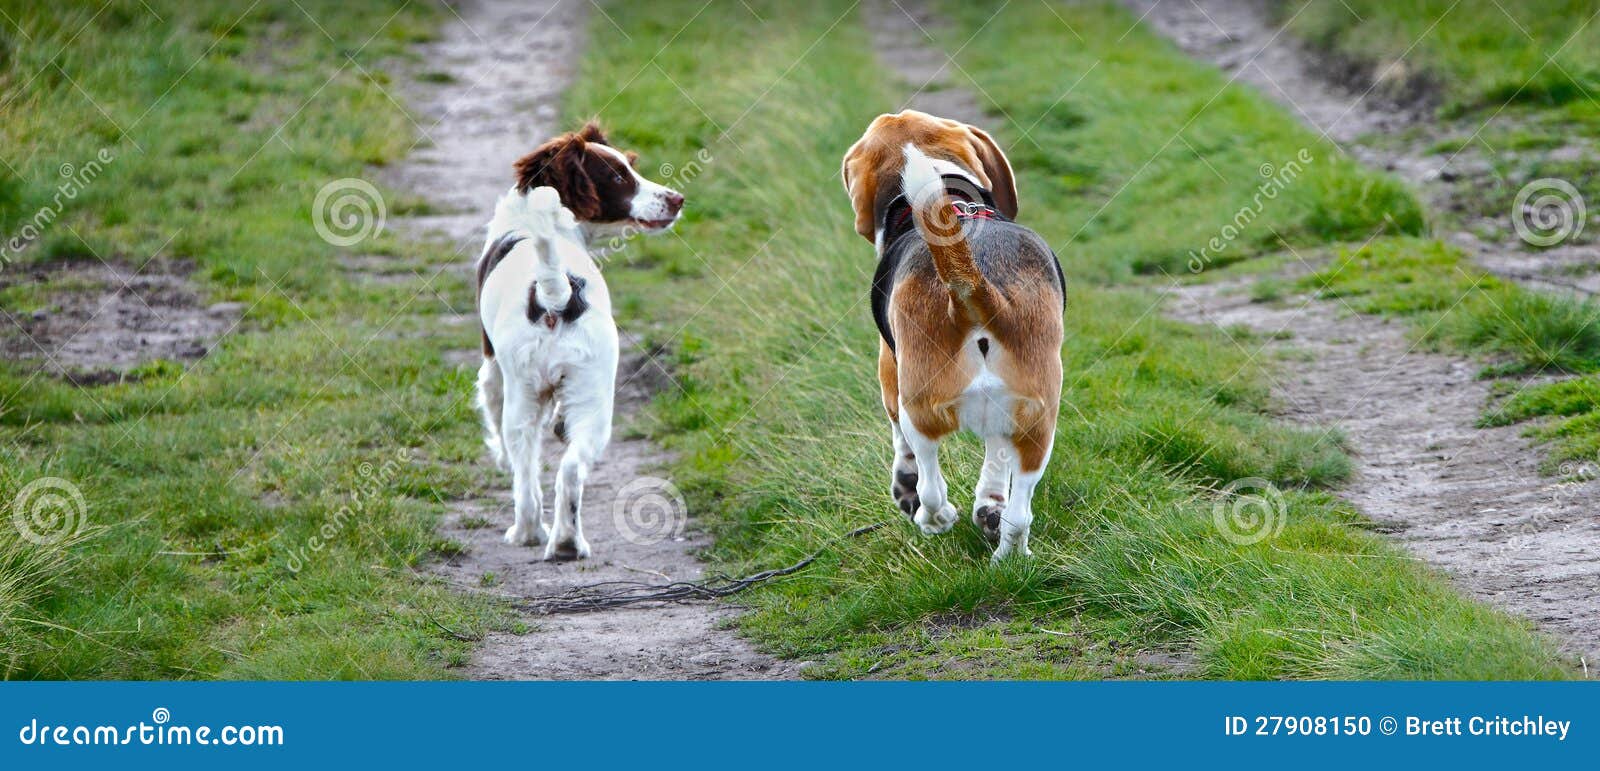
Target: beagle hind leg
<point x="994" y="480"/>
<point x="934" y="513"/>
<point x="1033" y="446"/>
<point x="1017" y="519"/>
<point x="903" y="466"/>
<point x="903" y="475"/>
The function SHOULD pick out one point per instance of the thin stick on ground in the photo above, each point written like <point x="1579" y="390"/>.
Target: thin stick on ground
<point x="608" y="595"/>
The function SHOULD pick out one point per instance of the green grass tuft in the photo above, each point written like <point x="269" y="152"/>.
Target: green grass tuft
<point x="1457" y="303"/>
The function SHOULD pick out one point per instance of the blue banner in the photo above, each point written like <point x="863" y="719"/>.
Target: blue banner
<point x="790" y="725"/>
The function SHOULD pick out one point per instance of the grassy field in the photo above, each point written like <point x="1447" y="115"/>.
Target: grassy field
<point x="783" y="443"/>
<point x="205" y="483"/>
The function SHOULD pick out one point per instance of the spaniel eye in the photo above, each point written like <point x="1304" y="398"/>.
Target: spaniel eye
<point x="617" y="178"/>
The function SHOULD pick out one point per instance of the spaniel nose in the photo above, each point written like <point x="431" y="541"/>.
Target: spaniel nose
<point x="674" y="202"/>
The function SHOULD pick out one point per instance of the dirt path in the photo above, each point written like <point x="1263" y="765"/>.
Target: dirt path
<point x="486" y="94"/>
<point x="1237" y="36"/>
<point x="901" y="36"/>
<point x="1469" y="500"/>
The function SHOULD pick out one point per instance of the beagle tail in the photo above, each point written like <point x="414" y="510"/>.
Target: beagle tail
<point x="923" y="185"/>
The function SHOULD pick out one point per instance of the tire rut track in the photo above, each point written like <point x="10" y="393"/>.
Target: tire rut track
<point x="1469" y="500"/>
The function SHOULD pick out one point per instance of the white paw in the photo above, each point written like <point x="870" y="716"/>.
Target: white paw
<point x="520" y="535"/>
<point x="934" y="523"/>
<point x="1005" y="550"/>
<point x="566" y="549"/>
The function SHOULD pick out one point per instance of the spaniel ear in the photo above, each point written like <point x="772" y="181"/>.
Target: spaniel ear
<point x="559" y="164"/>
<point x="537" y="169"/>
<point x="862" y="187"/>
<point x="577" y="189"/>
<point x="591" y="133"/>
<point x="997" y="168"/>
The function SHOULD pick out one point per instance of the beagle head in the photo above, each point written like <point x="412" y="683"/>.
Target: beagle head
<point x="598" y="183"/>
<point x="872" y="165"/>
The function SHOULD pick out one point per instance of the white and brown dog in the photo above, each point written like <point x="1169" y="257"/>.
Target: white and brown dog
<point x="549" y="342"/>
<point x="969" y="308"/>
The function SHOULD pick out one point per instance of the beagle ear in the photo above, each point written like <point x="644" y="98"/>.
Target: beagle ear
<point x="998" y="169"/>
<point x="862" y="187"/>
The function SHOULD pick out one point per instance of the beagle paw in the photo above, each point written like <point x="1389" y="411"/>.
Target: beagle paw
<point x="904" y="492"/>
<point x="986" y="516"/>
<point x="936" y="522"/>
<point x="1008" y="547"/>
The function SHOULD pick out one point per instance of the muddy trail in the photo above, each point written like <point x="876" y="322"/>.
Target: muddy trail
<point x="902" y="37"/>
<point x="486" y="93"/>
<point x="1469" y="500"/>
<point x="101" y="321"/>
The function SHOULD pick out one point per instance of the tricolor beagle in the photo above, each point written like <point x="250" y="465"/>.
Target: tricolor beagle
<point x="969" y="307"/>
